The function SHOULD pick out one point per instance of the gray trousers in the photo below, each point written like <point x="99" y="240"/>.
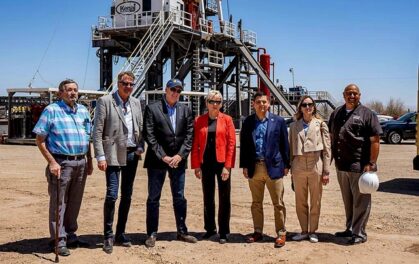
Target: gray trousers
<point x="357" y="205"/>
<point x="72" y="182"/>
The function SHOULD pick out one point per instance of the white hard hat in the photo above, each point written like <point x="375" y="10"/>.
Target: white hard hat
<point x="368" y="182"/>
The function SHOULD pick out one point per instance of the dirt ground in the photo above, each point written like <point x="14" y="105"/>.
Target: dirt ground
<point x="393" y="234"/>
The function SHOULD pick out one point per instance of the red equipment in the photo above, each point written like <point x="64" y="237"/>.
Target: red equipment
<point x="193" y="8"/>
<point x="265" y="63"/>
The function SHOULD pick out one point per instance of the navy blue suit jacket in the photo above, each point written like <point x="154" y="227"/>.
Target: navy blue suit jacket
<point x="277" y="154"/>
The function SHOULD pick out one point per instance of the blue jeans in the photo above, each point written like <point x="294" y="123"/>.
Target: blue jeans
<point x="156" y="179"/>
<point x="112" y="187"/>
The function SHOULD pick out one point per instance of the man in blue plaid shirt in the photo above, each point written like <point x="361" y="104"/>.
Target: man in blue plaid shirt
<point x="62" y="136"/>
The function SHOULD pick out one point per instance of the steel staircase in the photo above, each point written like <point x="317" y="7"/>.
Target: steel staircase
<point x="260" y="72"/>
<point x="324" y="97"/>
<point x="147" y="49"/>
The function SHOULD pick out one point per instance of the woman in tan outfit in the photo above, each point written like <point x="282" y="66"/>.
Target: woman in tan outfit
<point x="310" y="161"/>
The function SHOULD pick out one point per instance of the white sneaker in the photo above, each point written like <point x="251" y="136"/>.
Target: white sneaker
<point x="300" y="237"/>
<point x="313" y="238"/>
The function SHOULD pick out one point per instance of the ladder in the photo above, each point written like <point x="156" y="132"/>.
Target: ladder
<point x="205" y="65"/>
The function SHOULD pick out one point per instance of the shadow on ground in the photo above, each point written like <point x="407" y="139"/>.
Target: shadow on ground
<point x="401" y="185"/>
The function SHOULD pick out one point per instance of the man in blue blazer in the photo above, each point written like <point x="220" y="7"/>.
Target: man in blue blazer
<point x="264" y="157"/>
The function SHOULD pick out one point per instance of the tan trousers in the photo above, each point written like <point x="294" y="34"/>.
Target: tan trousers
<point x="276" y="191"/>
<point x="307" y="175"/>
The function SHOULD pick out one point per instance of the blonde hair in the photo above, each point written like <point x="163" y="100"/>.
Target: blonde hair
<point x="213" y="93"/>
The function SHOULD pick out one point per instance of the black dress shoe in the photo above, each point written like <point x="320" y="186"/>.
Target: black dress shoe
<point x="346" y="233"/>
<point x="357" y="240"/>
<point x="122" y="240"/>
<point x="150" y="241"/>
<point x="108" y="245"/>
<point x="63" y="251"/>
<point x="186" y="238"/>
<point x="78" y="243"/>
<point x="223" y="239"/>
<point x="209" y="234"/>
<point x="62" y="247"/>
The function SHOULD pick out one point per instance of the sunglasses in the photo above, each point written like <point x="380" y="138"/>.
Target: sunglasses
<point x="173" y="89"/>
<point x="351" y="93"/>
<point x="214" y="102"/>
<point x="307" y="104"/>
<point x="127" y="83"/>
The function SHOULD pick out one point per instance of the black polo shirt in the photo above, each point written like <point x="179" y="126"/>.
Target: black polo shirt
<point x="351" y="132"/>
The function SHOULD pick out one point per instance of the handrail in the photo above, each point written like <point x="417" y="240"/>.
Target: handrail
<point x="147" y="49"/>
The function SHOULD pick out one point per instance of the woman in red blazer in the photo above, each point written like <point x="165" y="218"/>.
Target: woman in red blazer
<point x="212" y="156"/>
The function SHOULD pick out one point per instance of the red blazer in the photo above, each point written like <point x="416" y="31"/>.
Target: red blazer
<point x="225" y="141"/>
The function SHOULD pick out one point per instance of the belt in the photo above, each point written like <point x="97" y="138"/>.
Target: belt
<point x="131" y="149"/>
<point x="259" y="160"/>
<point x="69" y="157"/>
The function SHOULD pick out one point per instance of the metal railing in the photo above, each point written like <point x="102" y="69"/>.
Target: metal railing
<point x="182" y="18"/>
<point x="323" y="95"/>
<point x="249" y="37"/>
<point x="143" y="19"/>
<point x="213" y="58"/>
<point x="228" y="29"/>
<point x="206" y="26"/>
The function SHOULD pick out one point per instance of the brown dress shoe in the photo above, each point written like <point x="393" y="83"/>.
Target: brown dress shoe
<point x="255" y="237"/>
<point x="280" y="241"/>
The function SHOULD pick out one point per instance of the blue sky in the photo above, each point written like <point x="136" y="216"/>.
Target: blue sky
<point x="329" y="43"/>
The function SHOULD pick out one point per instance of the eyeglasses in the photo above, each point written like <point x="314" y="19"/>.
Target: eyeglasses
<point x="214" y="102"/>
<point x="173" y="89"/>
<point x="127" y="83"/>
<point x="307" y="104"/>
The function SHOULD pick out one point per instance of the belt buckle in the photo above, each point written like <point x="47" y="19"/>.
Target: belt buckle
<point x="75" y="157"/>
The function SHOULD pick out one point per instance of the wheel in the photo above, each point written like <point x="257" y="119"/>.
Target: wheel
<point x="394" y="137"/>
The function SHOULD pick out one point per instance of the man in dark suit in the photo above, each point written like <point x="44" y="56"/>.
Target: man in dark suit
<point x="168" y="131"/>
<point x="264" y="157"/>
<point x="118" y="144"/>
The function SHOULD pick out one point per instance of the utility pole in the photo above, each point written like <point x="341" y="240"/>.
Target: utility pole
<point x="292" y="73"/>
<point x="416" y="159"/>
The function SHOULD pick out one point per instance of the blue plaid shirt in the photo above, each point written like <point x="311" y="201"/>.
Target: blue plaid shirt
<point x="260" y="136"/>
<point x="67" y="131"/>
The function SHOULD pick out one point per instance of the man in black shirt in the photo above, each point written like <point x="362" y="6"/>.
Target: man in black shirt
<point x="355" y="136"/>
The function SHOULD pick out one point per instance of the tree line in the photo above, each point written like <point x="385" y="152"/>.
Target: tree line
<point x="394" y="107"/>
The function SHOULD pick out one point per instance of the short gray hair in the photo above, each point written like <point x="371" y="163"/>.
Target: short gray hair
<point x="213" y="93"/>
<point x="61" y="86"/>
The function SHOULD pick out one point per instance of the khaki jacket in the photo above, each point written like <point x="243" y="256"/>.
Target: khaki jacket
<point x="317" y="139"/>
